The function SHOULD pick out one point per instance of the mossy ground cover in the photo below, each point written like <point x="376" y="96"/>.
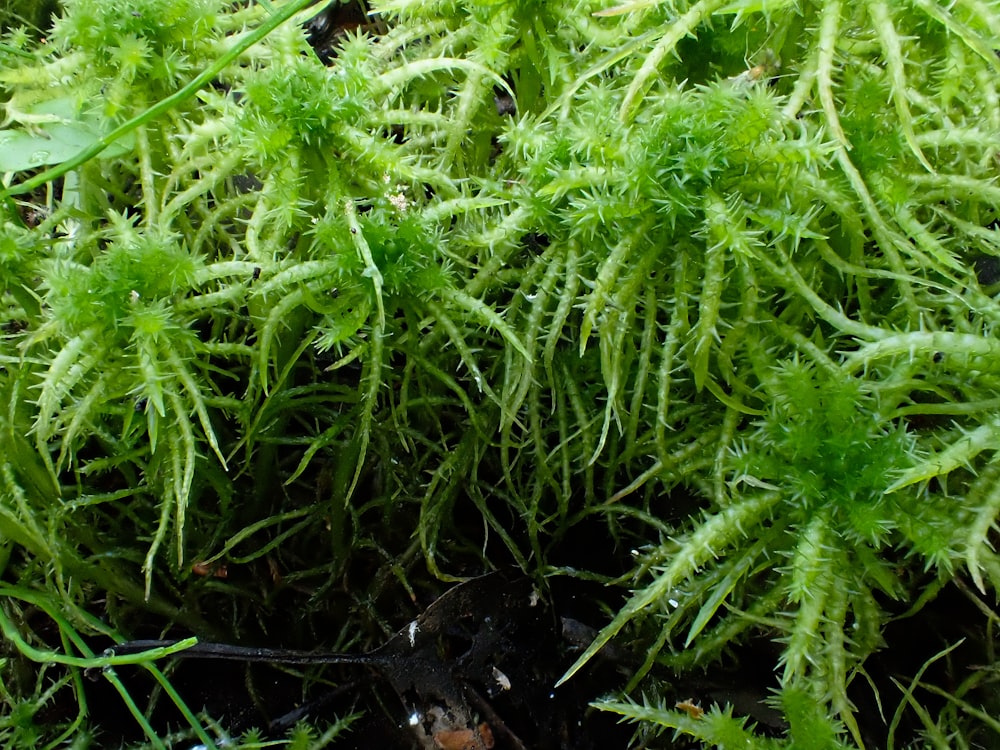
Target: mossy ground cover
<point x="692" y="300"/>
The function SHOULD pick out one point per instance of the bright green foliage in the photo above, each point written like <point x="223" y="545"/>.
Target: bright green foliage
<point x="809" y="728"/>
<point x="315" y="317"/>
<point x="140" y="48"/>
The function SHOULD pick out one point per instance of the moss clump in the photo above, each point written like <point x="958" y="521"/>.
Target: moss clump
<point x="497" y="274"/>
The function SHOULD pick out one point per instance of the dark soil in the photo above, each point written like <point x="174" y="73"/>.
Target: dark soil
<point x="480" y="663"/>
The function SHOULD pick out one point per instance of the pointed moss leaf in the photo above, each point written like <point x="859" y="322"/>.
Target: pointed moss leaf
<point x="713" y="535"/>
<point x="739" y="569"/>
<point x="960" y="453"/>
<point x="485" y="314"/>
<point x="716" y="727"/>
<point x="755" y="6"/>
<point x="810" y="728"/>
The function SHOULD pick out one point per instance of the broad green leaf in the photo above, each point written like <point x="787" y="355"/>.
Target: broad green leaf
<point x="66" y="132"/>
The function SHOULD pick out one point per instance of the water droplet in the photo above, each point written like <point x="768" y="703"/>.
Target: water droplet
<point x="39" y="157"/>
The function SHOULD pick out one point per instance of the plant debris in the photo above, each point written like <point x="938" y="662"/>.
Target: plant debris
<point x="476" y="670"/>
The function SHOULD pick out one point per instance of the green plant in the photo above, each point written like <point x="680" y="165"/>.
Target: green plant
<point x="284" y="314"/>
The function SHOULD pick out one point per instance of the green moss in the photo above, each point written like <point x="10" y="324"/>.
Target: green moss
<point x="334" y="319"/>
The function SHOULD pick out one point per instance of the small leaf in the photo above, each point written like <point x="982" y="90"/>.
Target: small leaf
<point x="65" y="135"/>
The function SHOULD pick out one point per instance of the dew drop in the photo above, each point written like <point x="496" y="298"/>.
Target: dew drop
<point x="39" y="157"/>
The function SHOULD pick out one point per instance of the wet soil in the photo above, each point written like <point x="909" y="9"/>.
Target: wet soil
<point x="474" y="671"/>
